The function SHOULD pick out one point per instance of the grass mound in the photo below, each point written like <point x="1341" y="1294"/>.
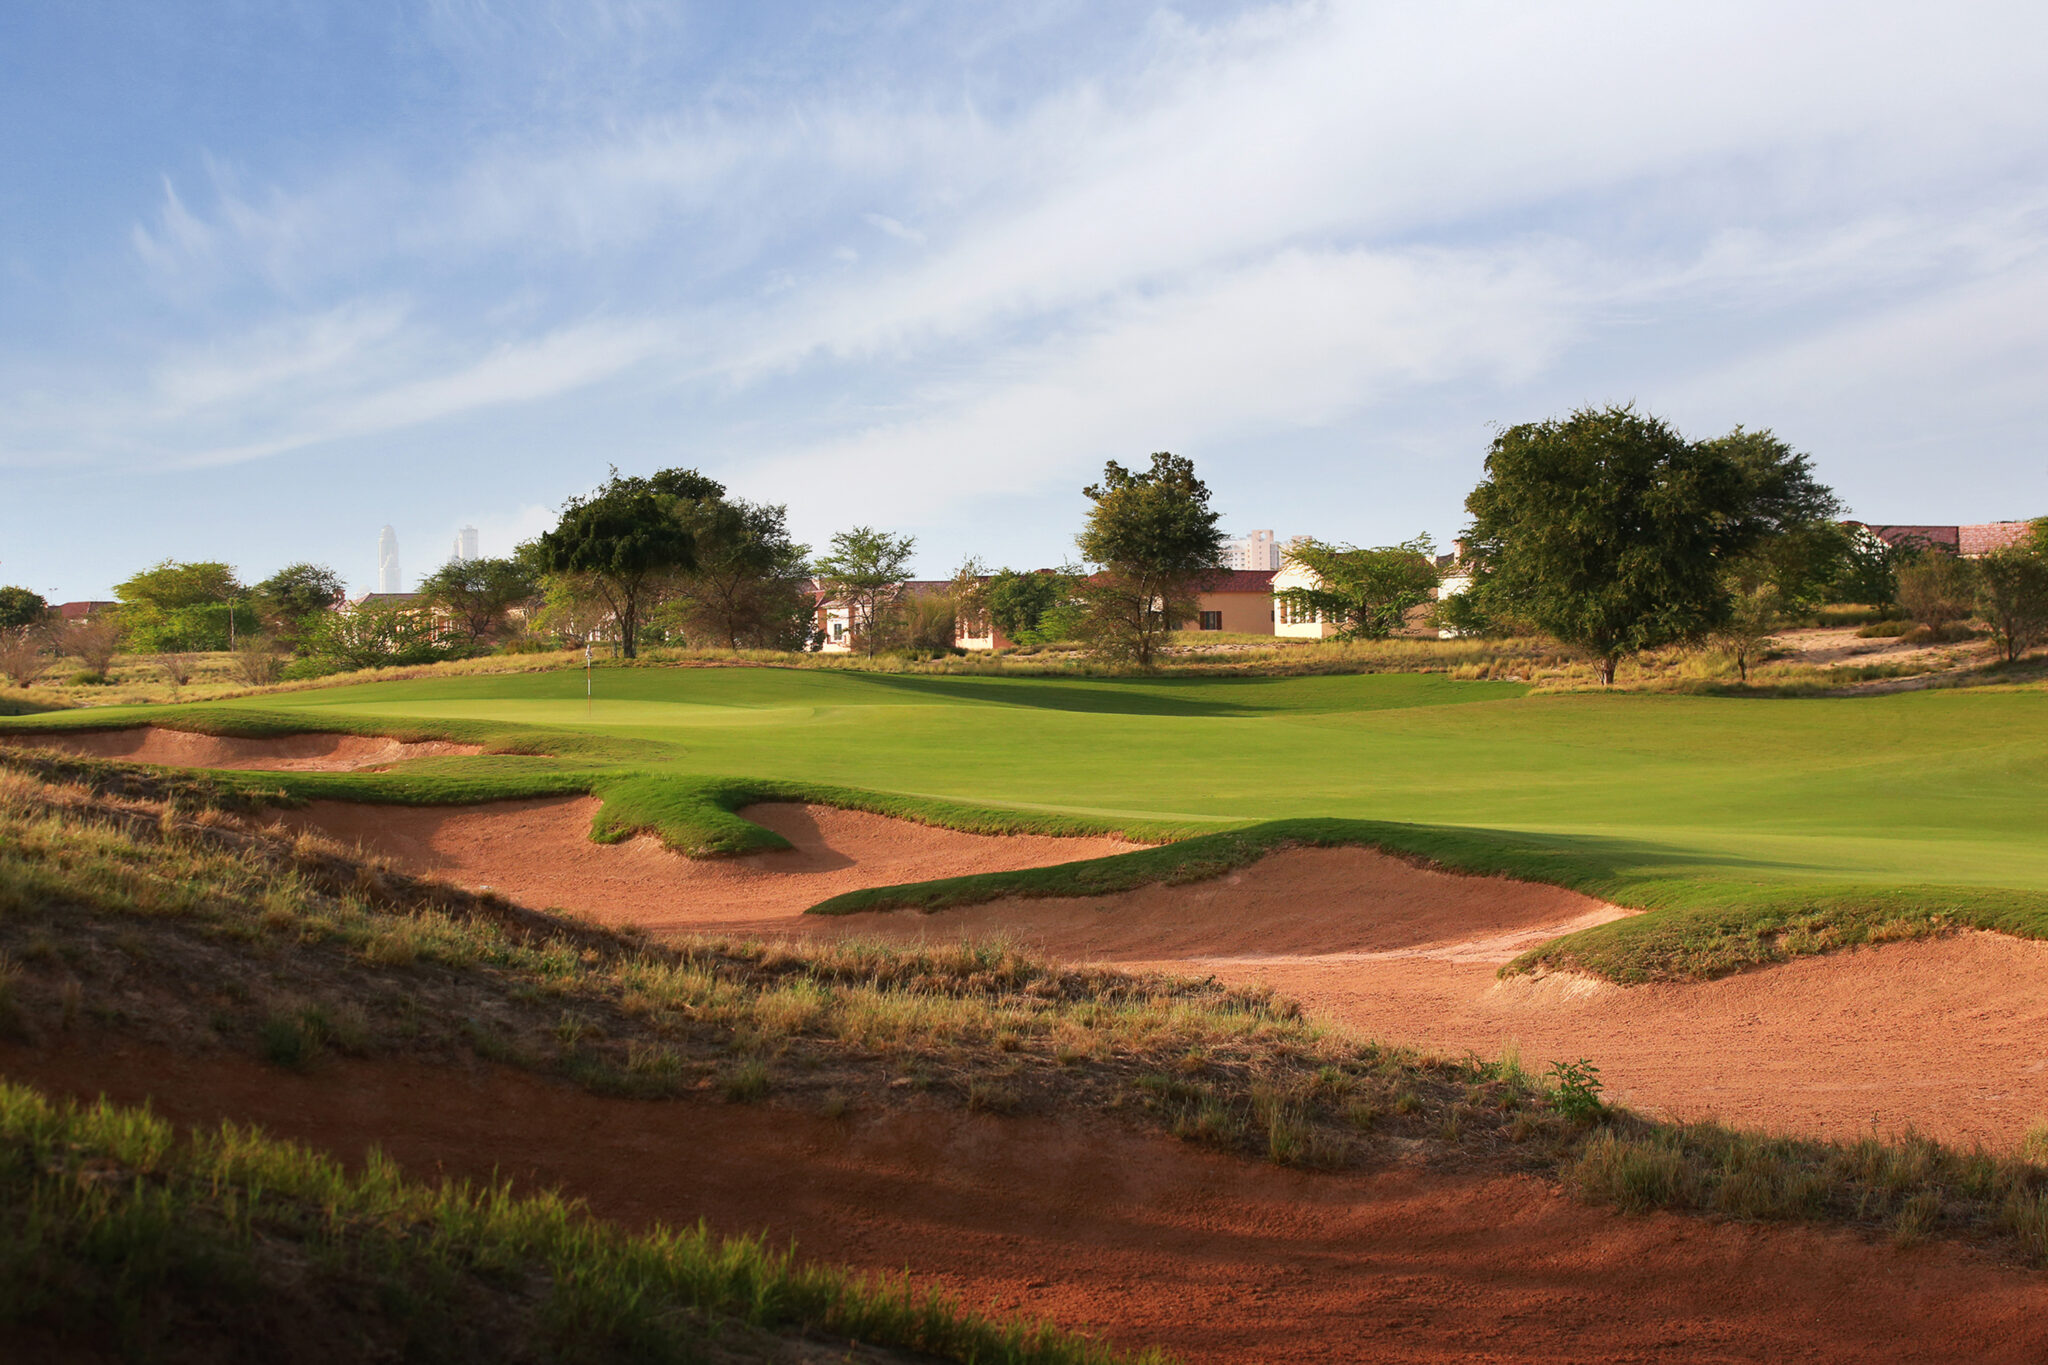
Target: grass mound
<point x="120" y="1240"/>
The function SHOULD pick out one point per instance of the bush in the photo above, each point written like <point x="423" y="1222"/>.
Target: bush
<point x="1937" y="589"/>
<point x="176" y="668"/>
<point x="86" y="677"/>
<point x="1884" y="630"/>
<point x="21" y="654"/>
<point x="377" y="637"/>
<point x="2012" y="596"/>
<point x="257" y="662"/>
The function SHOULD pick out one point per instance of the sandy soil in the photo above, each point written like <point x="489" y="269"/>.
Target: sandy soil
<point x="285" y="753"/>
<point x="1949" y="1037"/>
<point x="1138" y="1237"/>
<point x="540" y="853"/>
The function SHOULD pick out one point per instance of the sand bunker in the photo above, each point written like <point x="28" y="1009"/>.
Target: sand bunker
<point x="1134" y="1236"/>
<point x="540" y="854"/>
<point x="322" y="753"/>
<point x="1336" y="903"/>
<point x="1948" y="1036"/>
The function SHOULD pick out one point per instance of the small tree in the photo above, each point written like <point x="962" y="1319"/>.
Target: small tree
<point x="20" y="607"/>
<point x="256" y="661"/>
<point x="1154" y="537"/>
<point x="864" y="573"/>
<point x="1369" y="591"/>
<point x="93" y="642"/>
<point x="476" y="593"/>
<point x="291" y="599"/>
<point x="1756" y="610"/>
<point x="1937" y="589"/>
<point x="21" y="654"/>
<point x="623" y="541"/>
<point x="2012" y="597"/>
<point x="176" y="668"/>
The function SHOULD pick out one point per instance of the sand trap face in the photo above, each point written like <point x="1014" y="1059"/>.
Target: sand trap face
<point x="1322" y="904"/>
<point x="285" y="753"/>
<point x="540" y="854"/>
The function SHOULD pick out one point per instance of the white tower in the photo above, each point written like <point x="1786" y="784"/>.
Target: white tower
<point x="388" y="577"/>
<point x="465" y="545"/>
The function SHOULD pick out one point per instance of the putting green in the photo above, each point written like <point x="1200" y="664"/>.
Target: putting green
<point x="1691" y="803"/>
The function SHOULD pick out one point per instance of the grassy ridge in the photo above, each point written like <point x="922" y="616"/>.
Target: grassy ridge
<point x="121" y="1234"/>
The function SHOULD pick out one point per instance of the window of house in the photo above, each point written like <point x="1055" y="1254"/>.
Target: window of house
<point x="1212" y="620"/>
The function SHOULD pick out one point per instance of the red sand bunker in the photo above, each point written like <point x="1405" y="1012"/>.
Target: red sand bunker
<point x="1135" y="1236"/>
<point x="283" y="753"/>
<point x="1949" y="1037"/>
<point x="540" y="854"/>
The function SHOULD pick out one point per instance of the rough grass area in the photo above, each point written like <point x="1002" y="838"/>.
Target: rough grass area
<point x="127" y="917"/>
<point x="122" y="1240"/>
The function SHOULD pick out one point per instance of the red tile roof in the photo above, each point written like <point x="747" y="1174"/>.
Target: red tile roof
<point x="1985" y="537"/>
<point x="1943" y="537"/>
<point x="1239" y="580"/>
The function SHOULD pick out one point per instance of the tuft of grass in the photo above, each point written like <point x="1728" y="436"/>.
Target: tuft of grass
<point x="747" y="1082"/>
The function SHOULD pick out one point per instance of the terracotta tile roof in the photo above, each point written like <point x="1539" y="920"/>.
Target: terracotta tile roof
<point x="1239" y="580"/>
<point x="79" y="611"/>
<point x="1985" y="537"/>
<point x="1943" y="537"/>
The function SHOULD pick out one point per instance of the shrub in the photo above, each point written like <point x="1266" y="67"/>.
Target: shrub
<point x="21" y="655"/>
<point x="93" y="642"/>
<point x="1937" y="590"/>
<point x="1884" y="630"/>
<point x="257" y="662"/>
<point x="1575" y="1090"/>
<point x="2012" y="597"/>
<point x="176" y="668"/>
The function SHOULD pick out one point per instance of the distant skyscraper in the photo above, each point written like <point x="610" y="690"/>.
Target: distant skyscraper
<point x="389" y="579"/>
<point x="465" y="545"/>
<point x="1256" y="551"/>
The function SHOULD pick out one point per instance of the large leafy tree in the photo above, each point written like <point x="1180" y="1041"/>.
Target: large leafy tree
<point x="1614" y="533"/>
<point x="1020" y="604"/>
<point x="476" y="593"/>
<point x="1368" y="591"/>
<point x="750" y="589"/>
<point x="20" y="607"/>
<point x="865" y="572"/>
<point x="291" y="599"/>
<point x="174" y="606"/>
<point x="1152" y="536"/>
<point x="624" y="541"/>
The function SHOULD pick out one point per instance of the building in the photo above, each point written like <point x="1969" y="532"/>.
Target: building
<point x="1971" y="542"/>
<point x="389" y="579"/>
<point x="1239" y="601"/>
<point x="1293" y="622"/>
<point x="465" y="547"/>
<point x="84" y="611"/>
<point x="1256" y="551"/>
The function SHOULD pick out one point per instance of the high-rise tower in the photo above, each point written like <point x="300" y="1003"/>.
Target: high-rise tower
<point x="465" y="546"/>
<point x="388" y="577"/>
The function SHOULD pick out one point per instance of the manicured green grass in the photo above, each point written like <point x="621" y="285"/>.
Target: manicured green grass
<point x="1732" y="817"/>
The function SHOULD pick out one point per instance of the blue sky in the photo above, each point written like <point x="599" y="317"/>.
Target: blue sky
<point x="273" y="274"/>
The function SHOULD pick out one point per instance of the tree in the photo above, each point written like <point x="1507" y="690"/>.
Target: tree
<point x="1937" y="589"/>
<point x="20" y="607"/>
<point x="1614" y="533"/>
<point x="751" y="586"/>
<point x="865" y="573"/>
<point x="1369" y="591"/>
<point x="2012" y="597"/>
<point x="1019" y="604"/>
<point x="289" y="600"/>
<point x="375" y="637"/>
<point x="1154" y="537"/>
<point x="475" y="593"/>
<point x="21" y="654"/>
<point x="1757" y="608"/>
<point x="173" y="607"/>
<point x="94" y="642"/>
<point x="623" y="540"/>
